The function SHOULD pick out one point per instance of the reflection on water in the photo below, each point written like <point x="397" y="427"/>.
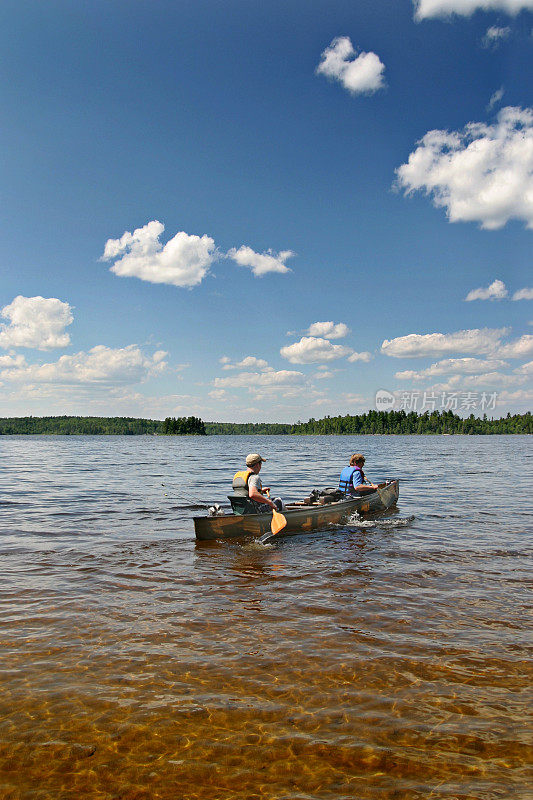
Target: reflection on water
<point x="384" y="659"/>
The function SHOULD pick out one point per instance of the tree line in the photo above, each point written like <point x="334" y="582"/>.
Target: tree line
<point x="389" y="422"/>
<point x="400" y="422"/>
<point x="183" y="426"/>
<point x="76" y="426"/>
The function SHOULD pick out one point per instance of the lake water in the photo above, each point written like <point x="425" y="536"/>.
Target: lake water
<point x="386" y="658"/>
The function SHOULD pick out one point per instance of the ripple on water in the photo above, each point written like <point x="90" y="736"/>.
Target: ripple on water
<point x="385" y="658"/>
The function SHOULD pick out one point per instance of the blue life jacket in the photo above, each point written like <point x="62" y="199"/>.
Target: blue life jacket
<point x="346" y="479"/>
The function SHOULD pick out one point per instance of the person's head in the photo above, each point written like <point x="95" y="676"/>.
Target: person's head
<point x="254" y="462"/>
<point x="357" y="460"/>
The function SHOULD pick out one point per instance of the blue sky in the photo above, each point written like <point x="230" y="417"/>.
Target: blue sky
<point x="265" y="211"/>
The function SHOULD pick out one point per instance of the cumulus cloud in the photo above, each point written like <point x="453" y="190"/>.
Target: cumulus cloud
<point x="415" y="345"/>
<point x="358" y="72"/>
<point x="363" y="356"/>
<point x="483" y="173"/>
<point x="496" y="291"/>
<point x="424" y="9"/>
<point x="525" y="369"/>
<point x="183" y="261"/>
<point x="261" y="263"/>
<point x="329" y="330"/>
<point x="464" y="366"/>
<point x="100" y="366"/>
<point x="495" y="36"/>
<point x="312" y="350"/>
<point x="522" y="397"/>
<point x="520" y="348"/>
<point x="251" y="380"/>
<point x="11" y="361"/>
<point x="36" y="322"/>
<point x="523" y="294"/>
<point x="250" y="362"/>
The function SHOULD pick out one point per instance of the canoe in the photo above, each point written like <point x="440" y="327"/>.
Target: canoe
<point x="300" y="518"/>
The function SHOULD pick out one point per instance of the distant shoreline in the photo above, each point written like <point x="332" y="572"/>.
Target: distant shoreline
<point x="368" y="424"/>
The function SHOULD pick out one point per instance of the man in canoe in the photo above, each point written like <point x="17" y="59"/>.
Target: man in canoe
<point x="352" y="480"/>
<point x="248" y="483"/>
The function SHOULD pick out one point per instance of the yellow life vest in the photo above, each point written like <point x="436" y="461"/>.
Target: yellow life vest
<point x="240" y="481"/>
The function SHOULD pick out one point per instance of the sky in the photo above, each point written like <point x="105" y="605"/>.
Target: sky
<point x="265" y="211"/>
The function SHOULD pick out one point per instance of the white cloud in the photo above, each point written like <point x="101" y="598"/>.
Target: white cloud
<point x="250" y="362"/>
<point x="252" y="380"/>
<point x="359" y="73"/>
<point x="523" y="294"/>
<point x="359" y="399"/>
<point x="525" y="369"/>
<point x="12" y="361"/>
<point x="85" y="400"/>
<point x="522" y="397"/>
<point x="463" y="366"/>
<point x="287" y="393"/>
<point x="320" y="376"/>
<point x="311" y="350"/>
<point x="363" y="356"/>
<point x="101" y="366"/>
<point x="416" y="345"/>
<point x="481" y="174"/>
<point x="425" y="9"/>
<point x="495" y="98"/>
<point x="183" y="261"/>
<point x="520" y="348"/>
<point x="329" y="330"/>
<point x="261" y="263"/>
<point x="36" y="322"/>
<point x="495" y="35"/>
<point x="217" y="394"/>
<point x="496" y="291"/>
<point x="484" y="381"/>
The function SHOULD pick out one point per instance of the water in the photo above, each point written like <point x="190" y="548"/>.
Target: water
<point x="386" y="658"/>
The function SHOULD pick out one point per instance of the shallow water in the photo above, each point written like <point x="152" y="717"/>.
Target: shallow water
<point x="387" y="658"/>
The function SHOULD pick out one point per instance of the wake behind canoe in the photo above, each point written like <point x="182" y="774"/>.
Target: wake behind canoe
<point x="300" y="518"/>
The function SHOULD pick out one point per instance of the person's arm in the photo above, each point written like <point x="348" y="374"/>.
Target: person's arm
<point x="256" y="495"/>
<point x="363" y="485"/>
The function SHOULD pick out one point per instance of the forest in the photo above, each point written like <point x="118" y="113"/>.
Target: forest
<point x="372" y="422"/>
<point x="183" y="426"/>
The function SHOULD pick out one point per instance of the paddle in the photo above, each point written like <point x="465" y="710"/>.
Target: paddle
<point x="277" y="524"/>
<point x="378" y="490"/>
<point x="278" y="520"/>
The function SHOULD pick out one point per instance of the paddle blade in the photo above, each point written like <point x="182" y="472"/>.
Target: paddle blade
<point x="278" y="522"/>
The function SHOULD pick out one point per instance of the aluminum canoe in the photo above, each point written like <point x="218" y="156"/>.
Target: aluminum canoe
<point x="300" y="519"/>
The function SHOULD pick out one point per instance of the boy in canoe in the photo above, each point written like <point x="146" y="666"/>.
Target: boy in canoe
<point x="352" y="480"/>
<point x="248" y="483"/>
